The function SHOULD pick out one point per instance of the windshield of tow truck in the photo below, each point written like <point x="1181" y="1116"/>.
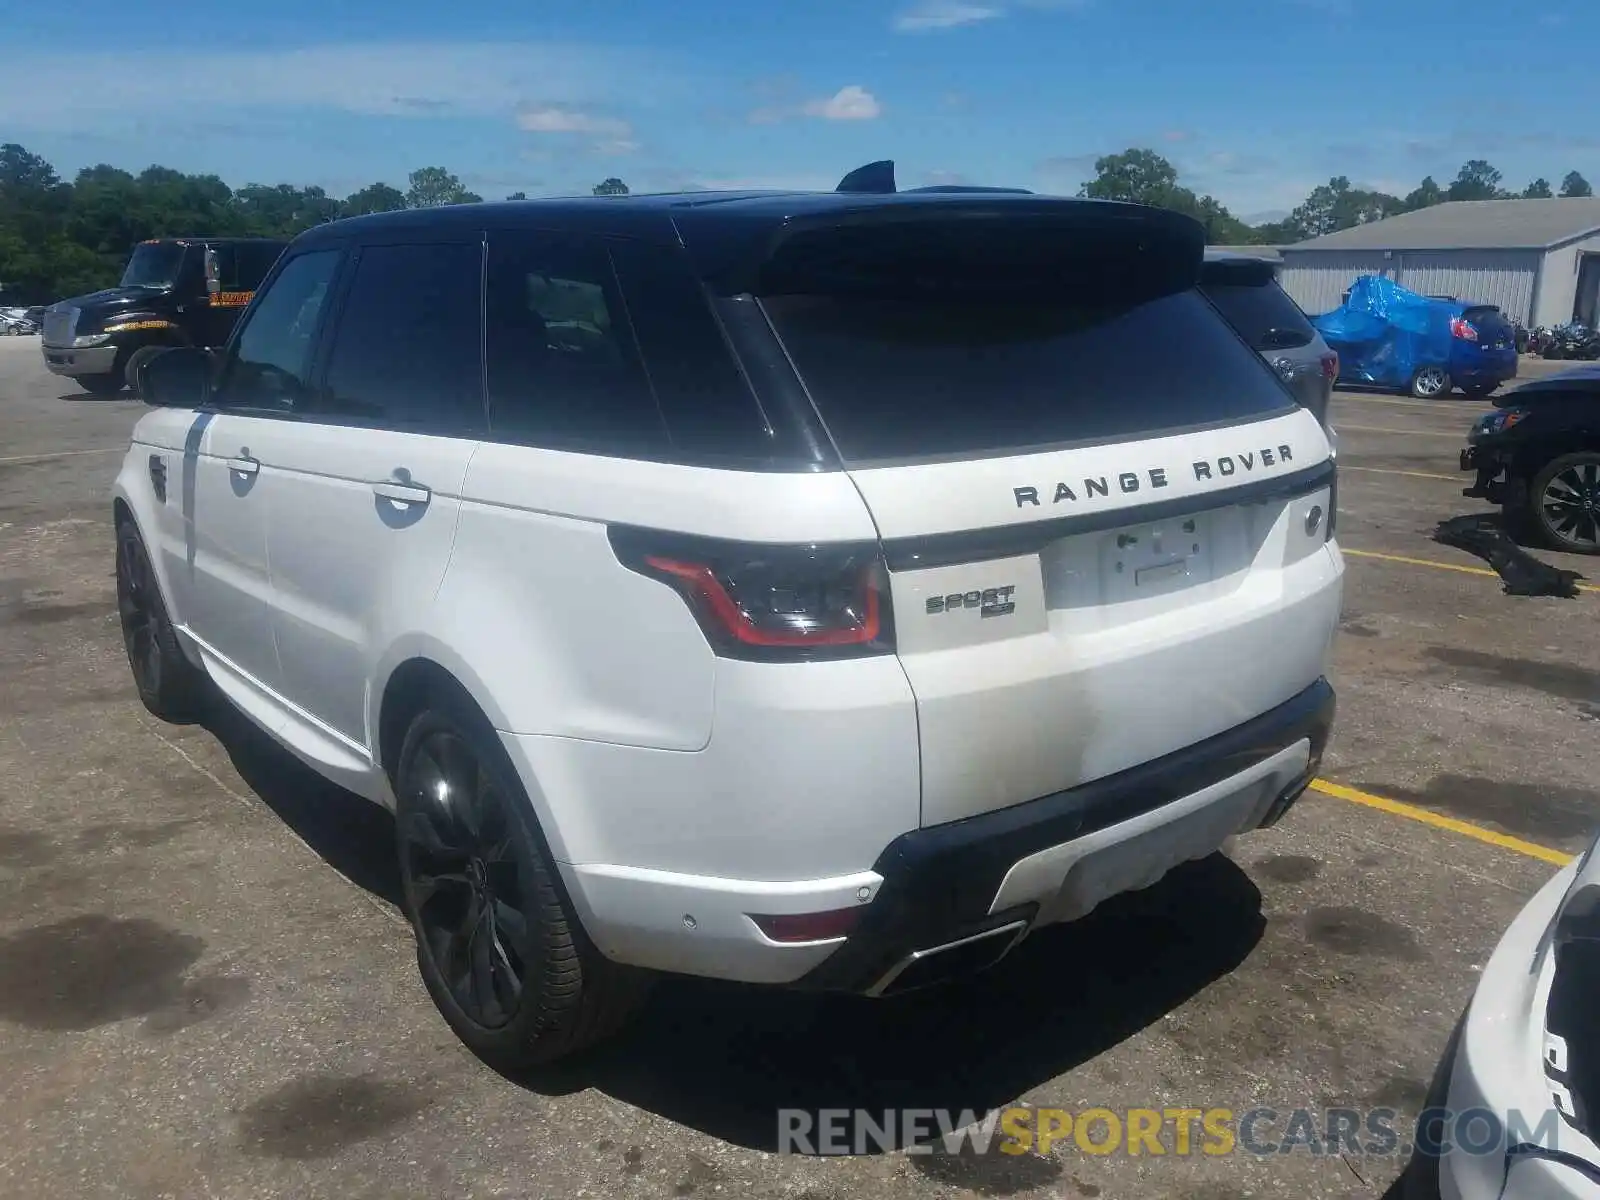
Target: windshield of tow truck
<point x="154" y="265"/>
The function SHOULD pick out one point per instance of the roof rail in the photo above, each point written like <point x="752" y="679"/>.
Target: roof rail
<point x="877" y="178"/>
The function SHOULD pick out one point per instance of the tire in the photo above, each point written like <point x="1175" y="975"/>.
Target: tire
<point x="108" y="384"/>
<point x="1564" y="502"/>
<point x="170" y="686"/>
<point x="1430" y="383"/>
<point x="137" y="359"/>
<point x="536" y="990"/>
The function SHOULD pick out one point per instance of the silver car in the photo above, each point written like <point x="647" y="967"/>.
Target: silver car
<point x="1245" y="290"/>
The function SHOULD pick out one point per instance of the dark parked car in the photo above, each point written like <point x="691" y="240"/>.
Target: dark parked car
<point x="174" y="292"/>
<point x="1245" y="291"/>
<point x="1538" y="455"/>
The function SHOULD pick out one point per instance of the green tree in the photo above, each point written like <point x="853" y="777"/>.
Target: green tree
<point x="1539" y="189"/>
<point x="1338" y="205"/>
<point x="1427" y="194"/>
<point x="374" y="198"/>
<point x="517" y="196"/>
<point x="611" y="187"/>
<point x="1476" y="180"/>
<point x="1135" y="176"/>
<point x="1575" y="185"/>
<point x="433" y="186"/>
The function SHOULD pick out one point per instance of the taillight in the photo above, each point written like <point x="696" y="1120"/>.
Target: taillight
<point x="771" y="602"/>
<point x="1461" y="329"/>
<point x="1330" y="365"/>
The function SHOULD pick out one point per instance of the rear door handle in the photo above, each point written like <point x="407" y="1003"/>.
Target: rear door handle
<point x="403" y="493"/>
<point x="244" y="465"/>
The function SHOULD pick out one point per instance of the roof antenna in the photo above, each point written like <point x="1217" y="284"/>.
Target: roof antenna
<point x="876" y="178"/>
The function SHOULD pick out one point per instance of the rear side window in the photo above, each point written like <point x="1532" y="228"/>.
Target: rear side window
<point x="708" y="407"/>
<point x="271" y="357"/>
<point x="406" y="350"/>
<point x="1263" y="314"/>
<point x="563" y="368"/>
<point x="251" y="262"/>
<point x="915" y="376"/>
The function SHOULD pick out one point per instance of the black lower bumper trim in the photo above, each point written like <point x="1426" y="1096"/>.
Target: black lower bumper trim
<point x="938" y="882"/>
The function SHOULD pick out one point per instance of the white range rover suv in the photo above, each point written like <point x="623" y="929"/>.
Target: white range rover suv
<point x="822" y="589"/>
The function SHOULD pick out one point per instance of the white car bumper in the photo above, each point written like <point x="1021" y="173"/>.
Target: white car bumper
<point x="1498" y="1067"/>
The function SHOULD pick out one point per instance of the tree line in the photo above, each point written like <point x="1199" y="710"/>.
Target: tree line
<point x="61" y="238"/>
<point x="1145" y="177"/>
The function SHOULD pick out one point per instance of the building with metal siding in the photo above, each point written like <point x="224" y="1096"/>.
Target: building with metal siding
<point x="1538" y="260"/>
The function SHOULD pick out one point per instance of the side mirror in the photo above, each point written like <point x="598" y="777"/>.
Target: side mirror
<point x="176" y="378"/>
<point x="213" y="273"/>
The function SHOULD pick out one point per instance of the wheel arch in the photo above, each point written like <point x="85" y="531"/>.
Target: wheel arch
<point x="413" y="670"/>
<point x="1533" y="455"/>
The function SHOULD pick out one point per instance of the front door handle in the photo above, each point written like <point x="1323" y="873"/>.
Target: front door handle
<point x="244" y="465"/>
<point x="403" y="493"/>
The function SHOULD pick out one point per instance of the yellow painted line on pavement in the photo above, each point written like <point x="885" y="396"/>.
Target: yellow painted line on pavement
<point x="1440" y="566"/>
<point x="29" y="458"/>
<point x="1392" y="471"/>
<point x="1435" y="405"/>
<point x="1426" y="816"/>
<point x="1342" y="426"/>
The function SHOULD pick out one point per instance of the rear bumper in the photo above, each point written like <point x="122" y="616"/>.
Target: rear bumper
<point x="1006" y="872"/>
<point x="947" y="899"/>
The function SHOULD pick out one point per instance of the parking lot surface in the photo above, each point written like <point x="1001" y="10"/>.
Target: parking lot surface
<point x="206" y="989"/>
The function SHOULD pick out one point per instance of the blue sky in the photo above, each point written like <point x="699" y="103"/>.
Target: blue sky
<point x="1256" y="101"/>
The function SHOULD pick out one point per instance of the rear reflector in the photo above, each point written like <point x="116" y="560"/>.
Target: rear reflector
<point x="810" y="927"/>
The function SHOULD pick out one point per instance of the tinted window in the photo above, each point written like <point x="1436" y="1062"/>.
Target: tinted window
<point x="1490" y="323"/>
<point x="563" y="368"/>
<point x="912" y="376"/>
<point x="406" y="349"/>
<point x="272" y="355"/>
<point x="707" y="404"/>
<point x="242" y="266"/>
<point x="1264" y="315"/>
<point x="154" y="265"/>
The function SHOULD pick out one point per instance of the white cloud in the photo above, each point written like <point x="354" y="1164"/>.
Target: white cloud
<point x="944" y="14"/>
<point x="850" y="103"/>
<point x="924" y="16"/>
<point x="392" y="79"/>
<point x="553" y="119"/>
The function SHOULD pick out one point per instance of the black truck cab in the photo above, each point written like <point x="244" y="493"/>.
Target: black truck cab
<point x="174" y="292"/>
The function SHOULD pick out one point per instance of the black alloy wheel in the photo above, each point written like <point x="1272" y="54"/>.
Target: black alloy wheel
<point x="463" y="879"/>
<point x="1566" y="502"/>
<point x="169" y="685"/>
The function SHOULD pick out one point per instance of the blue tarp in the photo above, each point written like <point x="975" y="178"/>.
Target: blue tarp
<point x="1383" y="332"/>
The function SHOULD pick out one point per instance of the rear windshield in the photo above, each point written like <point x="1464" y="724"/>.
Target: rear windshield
<point x="914" y="376"/>
<point x="1264" y="315"/>
<point x="1489" y="322"/>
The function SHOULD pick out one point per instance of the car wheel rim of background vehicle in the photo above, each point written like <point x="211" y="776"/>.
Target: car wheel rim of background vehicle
<point x="136" y="610"/>
<point x="463" y="879"/>
<point x="1571" y="504"/>
<point x="1430" y="381"/>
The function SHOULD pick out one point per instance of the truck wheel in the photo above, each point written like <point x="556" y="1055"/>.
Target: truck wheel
<point x="137" y="359"/>
<point x="170" y="686"/>
<point x="108" y="384"/>
<point x="1429" y="383"/>
<point x="1564" y="502"/>
<point x="499" y="946"/>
